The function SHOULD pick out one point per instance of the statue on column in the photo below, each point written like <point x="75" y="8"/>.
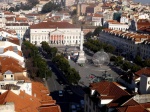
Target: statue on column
<point x="81" y="56"/>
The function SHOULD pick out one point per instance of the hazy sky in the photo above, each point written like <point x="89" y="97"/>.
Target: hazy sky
<point x="142" y="1"/>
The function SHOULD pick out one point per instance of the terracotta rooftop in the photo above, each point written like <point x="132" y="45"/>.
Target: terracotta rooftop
<point x="17" y="24"/>
<point x="135" y="108"/>
<point x="54" y="108"/>
<point x="109" y="90"/>
<point x="143" y="71"/>
<point x="8" y="63"/>
<point x="10" y="18"/>
<point x="19" y="19"/>
<point x="140" y="38"/>
<point x="142" y="23"/>
<point x="50" y="24"/>
<point x="23" y="102"/>
<point x="12" y="48"/>
<point x="38" y="102"/>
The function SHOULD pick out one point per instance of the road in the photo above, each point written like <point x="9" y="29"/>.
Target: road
<point x="54" y="85"/>
<point x="85" y="72"/>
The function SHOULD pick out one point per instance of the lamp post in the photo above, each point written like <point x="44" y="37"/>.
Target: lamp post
<point x="45" y="75"/>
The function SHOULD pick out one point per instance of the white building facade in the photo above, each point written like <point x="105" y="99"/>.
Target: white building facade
<point x="128" y="42"/>
<point x="20" y="28"/>
<point x="55" y="33"/>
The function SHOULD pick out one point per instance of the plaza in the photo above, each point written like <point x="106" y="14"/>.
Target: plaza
<point x="88" y="72"/>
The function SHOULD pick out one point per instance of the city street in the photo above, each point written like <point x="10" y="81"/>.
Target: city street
<point x="56" y="83"/>
<point x="90" y="69"/>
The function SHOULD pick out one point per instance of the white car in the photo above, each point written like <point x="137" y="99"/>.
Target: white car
<point x="60" y="93"/>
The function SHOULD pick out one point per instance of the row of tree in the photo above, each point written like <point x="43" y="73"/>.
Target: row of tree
<point x="134" y="66"/>
<point x="51" y="51"/>
<point x="96" y="45"/>
<point x="62" y="63"/>
<point x="29" y="5"/>
<point x="124" y="64"/>
<point x="95" y="33"/>
<point x="35" y="65"/>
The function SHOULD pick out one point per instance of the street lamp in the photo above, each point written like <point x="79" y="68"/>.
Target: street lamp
<point x="45" y="75"/>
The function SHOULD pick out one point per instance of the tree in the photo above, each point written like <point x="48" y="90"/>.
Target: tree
<point x="97" y="31"/>
<point x="109" y="48"/>
<point x="135" y="68"/>
<point x="89" y="35"/>
<point x="138" y="60"/>
<point x="146" y="63"/>
<point x="119" y="61"/>
<point x="74" y="12"/>
<point x="126" y="65"/>
<point x="48" y="7"/>
<point x="113" y="58"/>
<point x="36" y="66"/>
<point x="11" y="9"/>
<point x="117" y="16"/>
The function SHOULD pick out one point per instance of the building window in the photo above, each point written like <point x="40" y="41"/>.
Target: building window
<point x="5" y="76"/>
<point x="11" y="75"/>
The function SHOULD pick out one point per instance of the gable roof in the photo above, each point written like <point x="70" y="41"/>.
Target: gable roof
<point x="22" y="101"/>
<point x="14" y="49"/>
<point x="8" y="63"/>
<point x="143" y="71"/>
<point x="13" y="55"/>
<point x="109" y="90"/>
<point x="40" y="102"/>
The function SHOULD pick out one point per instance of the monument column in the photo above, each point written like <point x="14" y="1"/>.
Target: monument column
<point x="81" y="56"/>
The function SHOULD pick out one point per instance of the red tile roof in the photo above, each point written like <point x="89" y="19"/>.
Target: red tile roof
<point x="143" y="23"/>
<point x="54" y="108"/>
<point x="130" y="102"/>
<point x="11" y="48"/>
<point x="40" y="102"/>
<point x="136" y="108"/>
<point x="109" y="90"/>
<point x="8" y="63"/>
<point x="143" y="71"/>
<point x="50" y="24"/>
<point x="14" y="40"/>
<point x="22" y="101"/>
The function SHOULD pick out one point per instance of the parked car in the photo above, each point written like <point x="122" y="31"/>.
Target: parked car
<point x="78" y="107"/>
<point x="60" y="82"/>
<point x="73" y="108"/>
<point x="69" y="91"/>
<point x="60" y="93"/>
<point x="82" y="103"/>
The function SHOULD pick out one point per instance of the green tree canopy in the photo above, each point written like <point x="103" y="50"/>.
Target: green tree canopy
<point x="117" y="16"/>
<point x="36" y="66"/>
<point x="97" y="31"/>
<point x="48" y="7"/>
<point x="138" y="60"/>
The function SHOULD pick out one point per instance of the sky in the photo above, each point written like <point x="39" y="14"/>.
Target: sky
<point x="142" y="1"/>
